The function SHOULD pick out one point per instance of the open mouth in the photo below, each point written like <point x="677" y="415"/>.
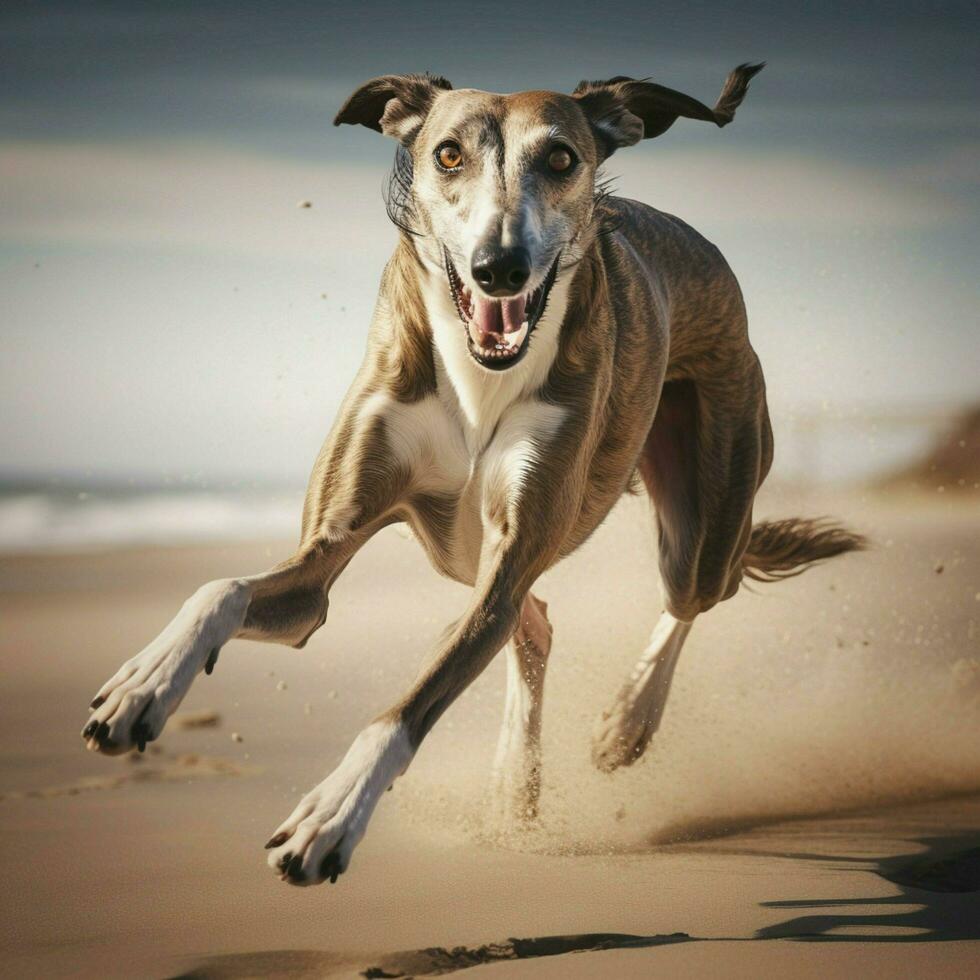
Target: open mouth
<point x="497" y="331"/>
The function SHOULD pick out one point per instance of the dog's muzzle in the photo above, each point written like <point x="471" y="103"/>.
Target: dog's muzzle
<point x="497" y="331"/>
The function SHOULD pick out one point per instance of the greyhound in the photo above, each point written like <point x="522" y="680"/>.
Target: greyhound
<point x="536" y="344"/>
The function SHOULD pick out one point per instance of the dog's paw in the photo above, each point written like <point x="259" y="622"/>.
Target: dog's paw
<point x="132" y="707"/>
<point x="621" y="736"/>
<point x="316" y="842"/>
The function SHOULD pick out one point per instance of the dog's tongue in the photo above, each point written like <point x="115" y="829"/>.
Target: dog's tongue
<point x="492" y="320"/>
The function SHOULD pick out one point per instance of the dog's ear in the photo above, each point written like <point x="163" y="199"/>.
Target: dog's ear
<point x="395" y="105"/>
<point x="624" y="110"/>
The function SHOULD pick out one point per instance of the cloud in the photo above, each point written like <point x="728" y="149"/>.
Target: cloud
<point x="782" y="190"/>
<point x="186" y="196"/>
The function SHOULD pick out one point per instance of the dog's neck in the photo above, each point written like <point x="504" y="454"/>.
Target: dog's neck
<point x="476" y="396"/>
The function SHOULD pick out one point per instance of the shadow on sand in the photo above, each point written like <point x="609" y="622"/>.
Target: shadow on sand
<point x="941" y="885"/>
<point x="939" y="901"/>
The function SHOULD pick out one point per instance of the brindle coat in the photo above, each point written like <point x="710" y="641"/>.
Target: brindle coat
<point x="643" y="364"/>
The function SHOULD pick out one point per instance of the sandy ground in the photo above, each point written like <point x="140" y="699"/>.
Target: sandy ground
<point x="809" y="807"/>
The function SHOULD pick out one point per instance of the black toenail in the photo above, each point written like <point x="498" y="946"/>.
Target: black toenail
<point x="212" y="660"/>
<point x="141" y="735"/>
<point x="330" y="867"/>
<point x="90" y="730"/>
<point x="284" y="861"/>
<point x="295" y="869"/>
<point x="280" y="838"/>
<point x="97" y="703"/>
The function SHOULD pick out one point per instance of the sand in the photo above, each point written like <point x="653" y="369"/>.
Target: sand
<point x="809" y="803"/>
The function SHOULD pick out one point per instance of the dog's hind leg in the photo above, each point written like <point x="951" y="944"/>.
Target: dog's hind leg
<point x="707" y="452"/>
<point x="516" y="783"/>
<point x="624" y="731"/>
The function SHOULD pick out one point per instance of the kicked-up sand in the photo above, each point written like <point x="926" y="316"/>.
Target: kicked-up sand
<point x="810" y="806"/>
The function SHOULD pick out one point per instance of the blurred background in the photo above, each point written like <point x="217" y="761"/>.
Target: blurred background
<point x="178" y="330"/>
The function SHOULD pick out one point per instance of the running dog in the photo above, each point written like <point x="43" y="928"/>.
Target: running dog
<point x="536" y="344"/>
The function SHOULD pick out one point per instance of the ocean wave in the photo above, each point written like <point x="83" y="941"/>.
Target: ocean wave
<point x="57" y="521"/>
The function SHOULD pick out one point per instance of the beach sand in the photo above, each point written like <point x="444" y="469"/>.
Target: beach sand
<point x="809" y="807"/>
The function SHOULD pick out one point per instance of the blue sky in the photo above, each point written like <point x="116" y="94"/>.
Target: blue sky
<point x="163" y="296"/>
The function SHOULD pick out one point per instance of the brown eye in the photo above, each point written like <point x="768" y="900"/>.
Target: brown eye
<point x="449" y="156"/>
<point x="560" y="159"/>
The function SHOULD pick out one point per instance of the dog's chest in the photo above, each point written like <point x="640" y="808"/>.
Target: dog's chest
<point x="454" y="478"/>
<point x="460" y="473"/>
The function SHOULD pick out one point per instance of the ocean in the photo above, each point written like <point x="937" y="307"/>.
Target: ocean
<point x="78" y="515"/>
<point x="73" y="513"/>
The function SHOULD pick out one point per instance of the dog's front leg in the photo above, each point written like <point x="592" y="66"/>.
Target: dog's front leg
<point x="526" y="515"/>
<point x="315" y="843"/>
<point x="355" y="491"/>
<point x="283" y="605"/>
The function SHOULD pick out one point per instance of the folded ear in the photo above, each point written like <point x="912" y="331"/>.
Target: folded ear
<point x="624" y="110"/>
<point x="395" y="105"/>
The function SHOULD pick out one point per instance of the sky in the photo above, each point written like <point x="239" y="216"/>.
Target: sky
<point x="168" y="311"/>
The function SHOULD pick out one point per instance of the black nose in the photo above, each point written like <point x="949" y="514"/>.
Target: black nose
<point x="501" y="271"/>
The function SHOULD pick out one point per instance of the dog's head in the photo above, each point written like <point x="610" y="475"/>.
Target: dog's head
<point x="501" y="187"/>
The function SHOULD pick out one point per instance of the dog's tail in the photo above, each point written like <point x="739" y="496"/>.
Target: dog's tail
<point x="782" y="549"/>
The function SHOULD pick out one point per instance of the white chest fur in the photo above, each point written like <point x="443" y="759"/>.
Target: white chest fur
<point x="478" y="396"/>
